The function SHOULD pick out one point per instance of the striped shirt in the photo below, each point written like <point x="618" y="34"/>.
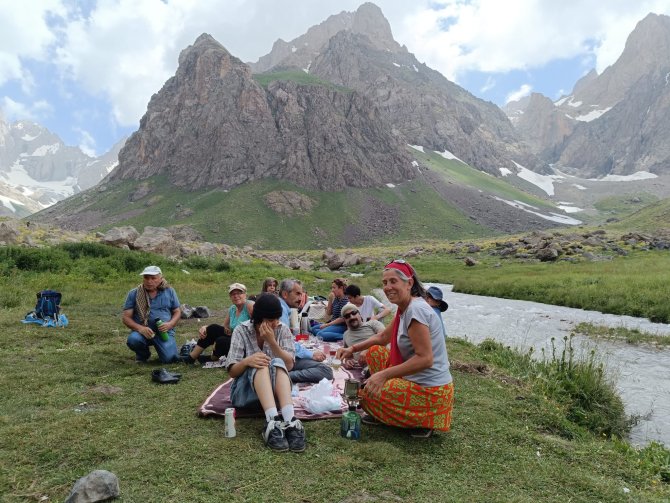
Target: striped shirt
<point x="243" y="343"/>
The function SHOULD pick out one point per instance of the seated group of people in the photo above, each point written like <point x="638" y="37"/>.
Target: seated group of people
<point x="410" y="385"/>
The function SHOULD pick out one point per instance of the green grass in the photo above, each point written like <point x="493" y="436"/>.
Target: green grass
<point x="240" y="216"/>
<point x="635" y="285"/>
<point x="625" y="204"/>
<point x="630" y="336"/>
<point x="298" y="77"/>
<point x="651" y="218"/>
<point x="73" y="401"/>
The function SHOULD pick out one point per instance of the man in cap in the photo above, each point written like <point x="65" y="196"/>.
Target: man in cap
<point x="358" y="331"/>
<point x="436" y="300"/>
<point x="154" y="299"/>
<point x="307" y="366"/>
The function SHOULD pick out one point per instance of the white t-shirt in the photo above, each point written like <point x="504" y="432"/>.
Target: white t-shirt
<point x="367" y="309"/>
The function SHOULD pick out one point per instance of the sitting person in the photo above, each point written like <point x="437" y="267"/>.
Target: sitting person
<point x="366" y="304"/>
<point x="269" y="286"/>
<point x="152" y="300"/>
<point x="219" y="335"/>
<point x="410" y="386"/>
<point x="358" y="331"/>
<point x="334" y="328"/>
<point x="435" y="300"/>
<point x="307" y="366"/>
<point x="260" y="357"/>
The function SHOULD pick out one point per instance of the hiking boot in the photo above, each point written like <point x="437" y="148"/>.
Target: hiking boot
<point x="295" y="435"/>
<point x="185" y="359"/>
<point x="186" y="349"/>
<point x="274" y="436"/>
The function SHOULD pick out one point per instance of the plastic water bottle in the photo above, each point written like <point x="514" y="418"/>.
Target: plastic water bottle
<point x="163" y="335"/>
<point x="350" y="424"/>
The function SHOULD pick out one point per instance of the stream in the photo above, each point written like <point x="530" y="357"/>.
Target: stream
<point x="640" y="372"/>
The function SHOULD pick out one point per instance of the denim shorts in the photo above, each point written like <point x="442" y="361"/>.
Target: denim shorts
<point x="242" y="392"/>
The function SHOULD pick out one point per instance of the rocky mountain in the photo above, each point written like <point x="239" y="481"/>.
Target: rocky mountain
<point x="214" y="125"/>
<point x="37" y="169"/>
<point x="357" y="50"/>
<point x="614" y="123"/>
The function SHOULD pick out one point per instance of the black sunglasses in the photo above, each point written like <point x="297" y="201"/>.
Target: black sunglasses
<point x="350" y="314"/>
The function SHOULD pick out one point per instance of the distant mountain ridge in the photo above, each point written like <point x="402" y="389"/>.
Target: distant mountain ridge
<point x="420" y="104"/>
<point x="37" y="169"/>
<point x="615" y="123"/>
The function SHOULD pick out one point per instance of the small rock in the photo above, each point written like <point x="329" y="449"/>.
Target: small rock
<point x="99" y="485"/>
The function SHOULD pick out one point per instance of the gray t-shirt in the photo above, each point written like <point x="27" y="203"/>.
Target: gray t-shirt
<point x="362" y="333"/>
<point x="438" y="374"/>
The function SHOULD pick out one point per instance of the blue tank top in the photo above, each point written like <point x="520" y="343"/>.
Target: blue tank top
<point x="236" y="320"/>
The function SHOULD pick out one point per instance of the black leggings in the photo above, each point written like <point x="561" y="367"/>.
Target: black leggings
<point x="216" y="335"/>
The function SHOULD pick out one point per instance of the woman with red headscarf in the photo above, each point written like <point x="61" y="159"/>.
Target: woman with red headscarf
<point x="410" y="386"/>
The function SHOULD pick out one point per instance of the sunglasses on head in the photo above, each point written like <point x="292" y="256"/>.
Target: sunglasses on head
<point x="350" y="314"/>
<point x="401" y="262"/>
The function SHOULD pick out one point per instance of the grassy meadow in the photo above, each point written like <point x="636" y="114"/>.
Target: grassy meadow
<point x="74" y="401"/>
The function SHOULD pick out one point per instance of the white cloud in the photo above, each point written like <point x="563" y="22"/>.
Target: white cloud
<point x="14" y="110"/>
<point x="488" y="85"/>
<point x="494" y="36"/>
<point x="524" y="90"/>
<point x="86" y="142"/>
<point x="25" y="33"/>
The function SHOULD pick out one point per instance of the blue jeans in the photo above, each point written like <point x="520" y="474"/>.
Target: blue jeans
<point x="242" y="391"/>
<point x="167" y="350"/>
<point x="332" y="333"/>
<point x="308" y="370"/>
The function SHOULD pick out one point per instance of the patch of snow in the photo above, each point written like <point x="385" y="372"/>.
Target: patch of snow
<point x="306" y="70"/>
<point x="294" y="48"/>
<point x="569" y="208"/>
<point x="569" y="116"/>
<point x="505" y="171"/>
<point x="112" y="166"/>
<point x="416" y="70"/>
<point x="562" y="100"/>
<point x="27" y="137"/>
<point x="17" y="177"/>
<point x="46" y="149"/>
<point x="390" y="185"/>
<point x="415" y="164"/>
<point x="553" y="217"/>
<point x="448" y="155"/>
<point x="667" y="76"/>
<point x="9" y="203"/>
<point x="580" y="187"/>
<point x="640" y="175"/>
<point x="417" y="147"/>
<point x="574" y="104"/>
<point x="593" y="114"/>
<point x="544" y="182"/>
<point x="396" y="64"/>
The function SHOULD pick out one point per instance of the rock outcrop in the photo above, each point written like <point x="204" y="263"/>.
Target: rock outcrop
<point x="213" y="125"/>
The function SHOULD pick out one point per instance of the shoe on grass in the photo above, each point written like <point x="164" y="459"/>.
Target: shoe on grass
<point x="274" y="437"/>
<point x="421" y="432"/>
<point x="295" y="435"/>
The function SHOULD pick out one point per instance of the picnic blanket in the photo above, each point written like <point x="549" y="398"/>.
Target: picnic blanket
<point x="217" y="402"/>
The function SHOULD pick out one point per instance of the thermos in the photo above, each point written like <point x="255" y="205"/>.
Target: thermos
<point x="163" y="335"/>
<point x="304" y="324"/>
<point x="293" y="321"/>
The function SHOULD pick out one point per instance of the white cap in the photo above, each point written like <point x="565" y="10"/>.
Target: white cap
<point x="237" y="286"/>
<point x="152" y="270"/>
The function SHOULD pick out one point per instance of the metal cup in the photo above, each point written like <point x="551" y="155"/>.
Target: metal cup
<point x="351" y="388"/>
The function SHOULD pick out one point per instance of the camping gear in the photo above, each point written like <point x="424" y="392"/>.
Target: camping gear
<point x="47" y="310"/>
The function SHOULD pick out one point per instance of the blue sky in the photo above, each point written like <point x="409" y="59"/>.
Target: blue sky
<point x="86" y="69"/>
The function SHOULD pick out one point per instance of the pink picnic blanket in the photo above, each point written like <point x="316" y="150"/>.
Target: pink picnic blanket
<point x="219" y="400"/>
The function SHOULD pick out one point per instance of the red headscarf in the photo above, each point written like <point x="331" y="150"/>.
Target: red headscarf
<point x="407" y="270"/>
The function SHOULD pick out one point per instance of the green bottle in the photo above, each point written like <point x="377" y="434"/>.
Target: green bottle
<point x="350" y="424"/>
<point x="163" y="335"/>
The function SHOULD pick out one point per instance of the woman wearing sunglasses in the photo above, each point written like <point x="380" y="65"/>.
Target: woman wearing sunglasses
<point x="410" y="385"/>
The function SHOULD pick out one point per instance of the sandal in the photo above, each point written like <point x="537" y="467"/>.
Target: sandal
<point x="421" y="433"/>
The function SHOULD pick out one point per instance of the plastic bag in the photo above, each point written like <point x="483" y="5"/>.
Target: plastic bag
<point x="319" y="398"/>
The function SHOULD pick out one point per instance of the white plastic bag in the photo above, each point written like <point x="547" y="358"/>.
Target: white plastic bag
<point x="319" y="398"/>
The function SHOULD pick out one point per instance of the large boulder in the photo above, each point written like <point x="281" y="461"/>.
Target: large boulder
<point x="121" y="237"/>
<point x="8" y="232"/>
<point x="157" y="240"/>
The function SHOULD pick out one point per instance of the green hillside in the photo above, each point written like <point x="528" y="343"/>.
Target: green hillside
<point x="241" y="217"/>
<point x="651" y="218"/>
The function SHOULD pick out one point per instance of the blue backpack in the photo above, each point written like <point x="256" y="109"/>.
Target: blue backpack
<point x="47" y="310"/>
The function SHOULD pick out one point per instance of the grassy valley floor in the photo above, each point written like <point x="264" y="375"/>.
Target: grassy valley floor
<point x="73" y="401"/>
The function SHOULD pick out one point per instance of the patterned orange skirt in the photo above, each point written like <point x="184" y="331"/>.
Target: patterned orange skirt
<point x="406" y="404"/>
